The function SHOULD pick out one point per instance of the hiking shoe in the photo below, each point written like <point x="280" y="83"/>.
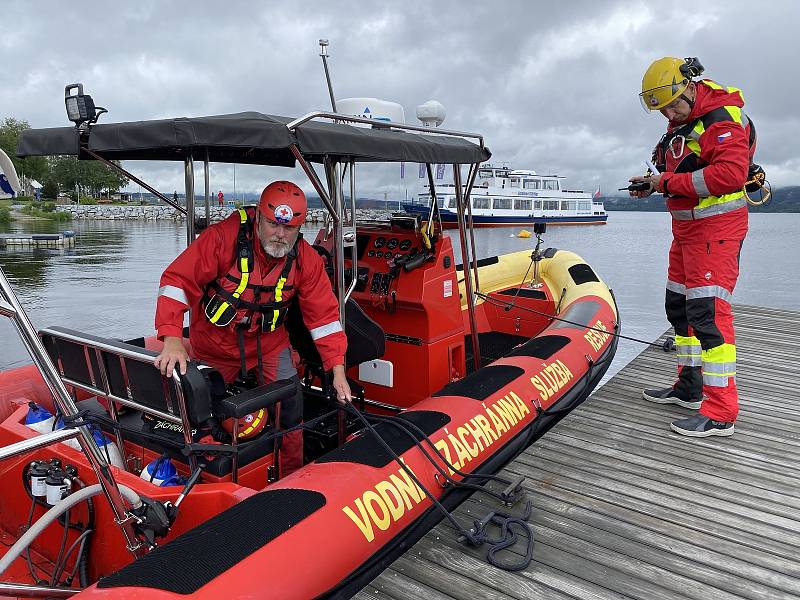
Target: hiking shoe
<point x="670" y="396"/>
<point x="701" y="426"/>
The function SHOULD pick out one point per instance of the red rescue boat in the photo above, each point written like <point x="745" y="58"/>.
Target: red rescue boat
<point x="458" y="369"/>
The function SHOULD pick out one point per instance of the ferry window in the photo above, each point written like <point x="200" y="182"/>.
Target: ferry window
<point x="537" y="205"/>
<point x="480" y="203"/>
<point x="502" y="203"/>
<point x="451" y="203"/>
<point x="551" y="204"/>
<point x="585" y="205"/>
<point x="484" y="173"/>
<point x="515" y="182"/>
<point x="531" y="184"/>
<point x="568" y="205"/>
<point x="501" y="173"/>
<point x="550" y="185"/>
<point x="522" y="203"/>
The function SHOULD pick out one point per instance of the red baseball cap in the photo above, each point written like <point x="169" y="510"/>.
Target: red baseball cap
<point x="284" y="203"/>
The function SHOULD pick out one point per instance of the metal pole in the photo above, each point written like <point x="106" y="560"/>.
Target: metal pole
<point x="23" y="590"/>
<point x="188" y="167"/>
<point x="332" y="169"/>
<point x="208" y="191"/>
<point x="67" y="406"/>
<point x="40" y="441"/>
<point x="473" y="172"/>
<point x="434" y="202"/>
<point x="135" y="179"/>
<point x="462" y="234"/>
<point x="323" y="52"/>
<point x="354" y="253"/>
<point x="315" y="181"/>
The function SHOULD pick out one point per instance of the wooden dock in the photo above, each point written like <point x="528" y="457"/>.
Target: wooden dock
<point x="40" y="240"/>
<point x="624" y="508"/>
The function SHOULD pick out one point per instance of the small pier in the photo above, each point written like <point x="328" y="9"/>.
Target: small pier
<point x="38" y="240"/>
<point x="624" y="508"/>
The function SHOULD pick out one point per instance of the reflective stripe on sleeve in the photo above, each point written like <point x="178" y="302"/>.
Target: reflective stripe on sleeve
<point x="699" y="183"/>
<point x="176" y="293"/>
<point x="325" y="330"/>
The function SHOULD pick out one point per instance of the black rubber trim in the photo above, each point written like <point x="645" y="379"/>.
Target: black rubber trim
<point x="524" y="293"/>
<point x="482" y="262"/>
<point x="582" y="273"/>
<point x="366" y="450"/>
<point x="581" y="312"/>
<point x="541" y="347"/>
<point x="482" y="383"/>
<point x="193" y="559"/>
<point x="550" y="252"/>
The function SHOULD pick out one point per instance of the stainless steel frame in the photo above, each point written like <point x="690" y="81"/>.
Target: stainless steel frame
<point x="465" y="259"/>
<point x="188" y="168"/>
<point x="181" y="418"/>
<point x="65" y="403"/>
<point x="40" y="441"/>
<point x="21" y="590"/>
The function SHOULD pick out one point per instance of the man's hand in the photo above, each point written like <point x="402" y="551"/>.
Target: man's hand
<point x="651" y="180"/>
<point x="340" y="385"/>
<point x="171" y="355"/>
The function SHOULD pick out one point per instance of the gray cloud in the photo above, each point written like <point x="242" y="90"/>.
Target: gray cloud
<point x="552" y="88"/>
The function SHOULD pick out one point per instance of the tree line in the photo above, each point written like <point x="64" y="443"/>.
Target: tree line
<point x="59" y="174"/>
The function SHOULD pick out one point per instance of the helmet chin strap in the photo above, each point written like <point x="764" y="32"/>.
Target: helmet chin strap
<point x="686" y="99"/>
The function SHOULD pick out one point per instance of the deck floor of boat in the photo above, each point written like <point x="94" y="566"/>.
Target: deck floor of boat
<point x="624" y="508"/>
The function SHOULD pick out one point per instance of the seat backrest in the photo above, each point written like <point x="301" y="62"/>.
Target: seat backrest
<point x="125" y="373"/>
<point x="365" y="338"/>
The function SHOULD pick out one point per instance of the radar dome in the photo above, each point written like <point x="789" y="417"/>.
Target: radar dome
<point x="431" y="113"/>
<point x="371" y="108"/>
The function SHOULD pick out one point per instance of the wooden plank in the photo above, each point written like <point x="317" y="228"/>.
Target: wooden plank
<point x="624" y="508"/>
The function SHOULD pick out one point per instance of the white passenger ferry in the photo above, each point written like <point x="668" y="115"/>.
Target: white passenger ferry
<point x="502" y="196"/>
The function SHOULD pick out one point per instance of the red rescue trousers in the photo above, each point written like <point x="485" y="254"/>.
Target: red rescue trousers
<point x="700" y="284"/>
<point x="275" y="366"/>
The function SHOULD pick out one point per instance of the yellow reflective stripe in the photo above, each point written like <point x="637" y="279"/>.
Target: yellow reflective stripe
<point x="256" y="420"/>
<point x="724" y="353"/>
<point x="243" y="266"/>
<point x="218" y="313"/>
<point x="683" y="340"/>
<point x="735" y="112"/>
<point x="278" y="297"/>
<point x="707" y="201"/>
<point x="688" y="351"/>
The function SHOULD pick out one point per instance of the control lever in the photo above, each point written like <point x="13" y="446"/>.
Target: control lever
<point x="417" y="261"/>
<point x="155" y="518"/>
<point x="188" y="487"/>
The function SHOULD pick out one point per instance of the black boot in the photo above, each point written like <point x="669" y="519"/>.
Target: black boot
<point x="687" y="391"/>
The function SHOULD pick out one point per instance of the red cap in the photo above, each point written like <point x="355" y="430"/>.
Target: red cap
<point x="284" y="203"/>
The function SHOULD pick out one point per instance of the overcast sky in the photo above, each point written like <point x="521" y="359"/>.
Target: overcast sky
<point x="552" y="86"/>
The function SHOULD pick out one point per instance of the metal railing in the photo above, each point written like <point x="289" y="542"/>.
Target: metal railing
<point x="11" y="308"/>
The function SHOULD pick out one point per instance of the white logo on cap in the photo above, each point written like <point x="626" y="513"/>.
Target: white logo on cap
<point x="283" y="214"/>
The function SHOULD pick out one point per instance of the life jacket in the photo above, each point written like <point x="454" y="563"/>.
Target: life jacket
<point x="682" y="144"/>
<point x="235" y="300"/>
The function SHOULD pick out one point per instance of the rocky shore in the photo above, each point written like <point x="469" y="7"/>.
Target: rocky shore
<point x="167" y="213"/>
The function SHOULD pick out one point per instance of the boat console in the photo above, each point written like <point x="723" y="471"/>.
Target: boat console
<point x="411" y="291"/>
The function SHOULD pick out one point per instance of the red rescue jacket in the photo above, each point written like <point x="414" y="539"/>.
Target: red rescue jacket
<point x="705" y="163"/>
<point x="210" y="259"/>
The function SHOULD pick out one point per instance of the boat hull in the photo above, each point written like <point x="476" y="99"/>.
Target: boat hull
<point x="449" y="219"/>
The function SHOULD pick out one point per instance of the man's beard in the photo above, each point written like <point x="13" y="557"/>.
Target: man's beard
<point x="276" y="249"/>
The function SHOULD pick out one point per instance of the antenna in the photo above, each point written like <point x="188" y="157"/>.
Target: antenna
<point x="431" y="113"/>
<point x="323" y="52"/>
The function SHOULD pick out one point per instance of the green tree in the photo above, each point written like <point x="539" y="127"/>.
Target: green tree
<point x="35" y="167"/>
<point x="93" y="177"/>
<point x="50" y="188"/>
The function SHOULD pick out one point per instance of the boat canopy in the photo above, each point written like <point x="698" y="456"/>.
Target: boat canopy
<point x="251" y="138"/>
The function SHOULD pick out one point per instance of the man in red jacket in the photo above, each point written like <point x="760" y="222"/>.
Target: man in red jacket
<point x="238" y="278"/>
<point x="703" y="163"/>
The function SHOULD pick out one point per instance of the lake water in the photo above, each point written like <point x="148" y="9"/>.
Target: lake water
<point x="107" y="283"/>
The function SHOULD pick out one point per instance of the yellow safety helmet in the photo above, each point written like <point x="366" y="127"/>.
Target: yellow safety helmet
<point x="664" y="81"/>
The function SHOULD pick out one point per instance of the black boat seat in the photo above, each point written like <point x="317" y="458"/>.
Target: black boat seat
<point x="124" y="373"/>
